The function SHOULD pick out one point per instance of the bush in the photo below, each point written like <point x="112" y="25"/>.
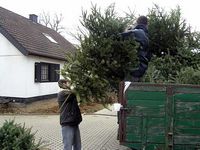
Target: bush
<point x="188" y="75"/>
<point x="153" y="75"/>
<point x="16" y="137"/>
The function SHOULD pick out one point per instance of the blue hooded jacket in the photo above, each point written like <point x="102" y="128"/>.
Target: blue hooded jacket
<point x="140" y="34"/>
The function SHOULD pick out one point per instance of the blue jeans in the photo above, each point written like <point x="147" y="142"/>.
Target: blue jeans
<point x="71" y="137"/>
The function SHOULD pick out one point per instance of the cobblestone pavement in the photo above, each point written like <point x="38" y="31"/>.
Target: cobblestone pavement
<point x="98" y="131"/>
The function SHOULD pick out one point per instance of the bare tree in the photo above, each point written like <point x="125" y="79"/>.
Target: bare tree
<point x="52" y="22"/>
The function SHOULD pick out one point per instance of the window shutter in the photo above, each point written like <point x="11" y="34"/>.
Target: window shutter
<point x="51" y="72"/>
<point x="37" y="72"/>
<point x="54" y="72"/>
<point x="57" y="72"/>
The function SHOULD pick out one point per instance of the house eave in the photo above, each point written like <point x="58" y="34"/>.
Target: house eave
<point x="46" y="55"/>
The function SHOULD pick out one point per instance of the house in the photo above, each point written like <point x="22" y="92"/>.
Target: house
<point x="30" y="57"/>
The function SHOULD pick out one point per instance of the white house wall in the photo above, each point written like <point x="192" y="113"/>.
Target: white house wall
<point x="17" y="73"/>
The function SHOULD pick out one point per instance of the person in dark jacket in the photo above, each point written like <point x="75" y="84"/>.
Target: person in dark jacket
<point x="70" y="117"/>
<point x="140" y="34"/>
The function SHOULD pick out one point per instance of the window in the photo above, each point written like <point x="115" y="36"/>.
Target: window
<point x="46" y="72"/>
<point x="49" y="37"/>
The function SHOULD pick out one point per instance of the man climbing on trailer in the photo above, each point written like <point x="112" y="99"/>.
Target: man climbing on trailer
<point x="140" y="34"/>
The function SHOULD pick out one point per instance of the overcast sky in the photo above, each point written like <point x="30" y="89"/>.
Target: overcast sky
<point x="71" y="9"/>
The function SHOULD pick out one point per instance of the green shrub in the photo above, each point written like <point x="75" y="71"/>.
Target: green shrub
<point x="188" y="75"/>
<point x="16" y="137"/>
<point x="153" y="75"/>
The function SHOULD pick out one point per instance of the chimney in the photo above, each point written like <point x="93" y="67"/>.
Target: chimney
<point x="33" y="18"/>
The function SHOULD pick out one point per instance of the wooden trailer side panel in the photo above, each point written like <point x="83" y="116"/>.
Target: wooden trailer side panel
<point x="160" y="117"/>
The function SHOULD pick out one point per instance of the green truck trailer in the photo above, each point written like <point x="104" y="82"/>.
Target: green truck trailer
<point x="160" y="116"/>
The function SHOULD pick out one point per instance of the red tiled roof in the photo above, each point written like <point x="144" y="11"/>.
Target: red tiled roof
<point x="28" y="36"/>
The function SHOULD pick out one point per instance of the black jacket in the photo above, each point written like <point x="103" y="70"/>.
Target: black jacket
<point x="69" y="110"/>
<point x="140" y="34"/>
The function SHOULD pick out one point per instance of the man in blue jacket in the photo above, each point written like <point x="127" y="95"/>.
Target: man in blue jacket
<point x="140" y="34"/>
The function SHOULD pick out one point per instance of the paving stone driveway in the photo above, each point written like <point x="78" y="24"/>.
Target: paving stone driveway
<point x="98" y="131"/>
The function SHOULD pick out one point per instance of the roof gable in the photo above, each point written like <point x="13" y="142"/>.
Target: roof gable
<point x="28" y="36"/>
